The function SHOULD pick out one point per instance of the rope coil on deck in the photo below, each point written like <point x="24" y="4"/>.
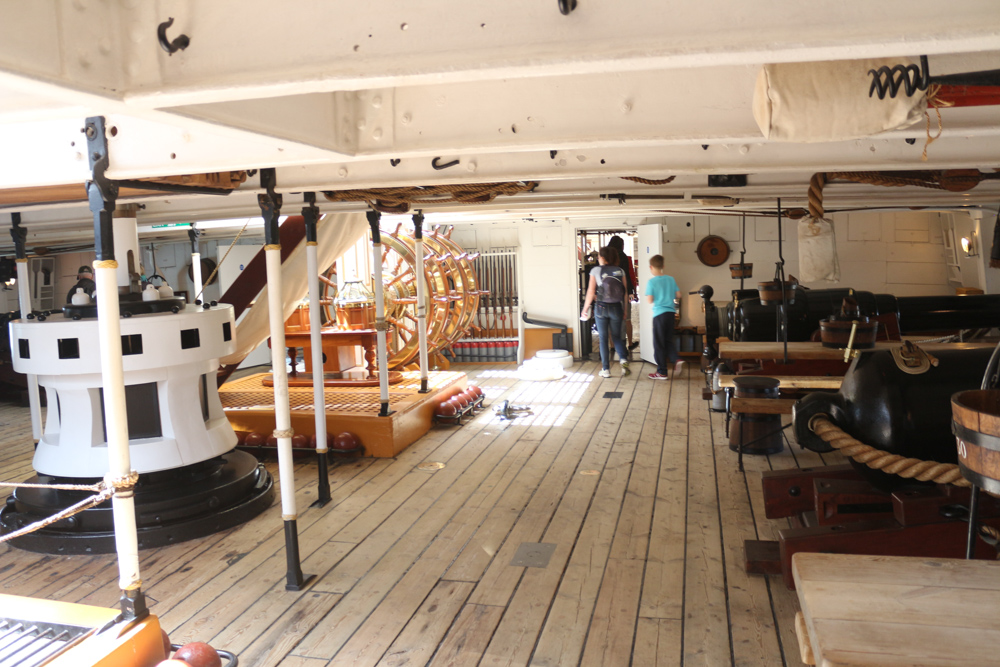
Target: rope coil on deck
<point x="877" y="459"/>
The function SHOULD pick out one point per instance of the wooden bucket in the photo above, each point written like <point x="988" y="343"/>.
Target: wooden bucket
<point x="770" y="292"/>
<point x="744" y="270"/>
<point x="837" y="333"/>
<point x="748" y="427"/>
<point x="976" y="425"/>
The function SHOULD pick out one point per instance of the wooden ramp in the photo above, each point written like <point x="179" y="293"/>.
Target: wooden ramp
<point x="249" y="406"/>
<point x="624" y="490"/>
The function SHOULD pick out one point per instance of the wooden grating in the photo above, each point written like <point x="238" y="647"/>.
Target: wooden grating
<point x="249" y="394"/>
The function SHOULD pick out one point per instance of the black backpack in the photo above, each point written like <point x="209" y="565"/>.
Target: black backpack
<point x="612" y="289"/>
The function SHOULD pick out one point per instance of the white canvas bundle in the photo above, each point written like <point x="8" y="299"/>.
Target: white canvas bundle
<point x="828" y="101"/>
<point x="818" y="251"/>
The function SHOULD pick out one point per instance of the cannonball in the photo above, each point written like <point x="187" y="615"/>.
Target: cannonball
<point x="255" y="439"/>
<point x="345" y="442"/>
<point x="462" y="400"/>
<point x="241" y="438"/>
<point x="198" y="654"/>
<point x="457" y="403"/>
<point x="329" y="440"/>
<point x="301" y="441"/>
<point x="173" y="663"/>
<point x="272" y="441"/>
<point x="475" y="389"/>
<point x="446" y="409"/>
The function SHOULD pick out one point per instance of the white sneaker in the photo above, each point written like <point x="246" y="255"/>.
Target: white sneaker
<point x="625" y="369"/>
<point x="605" y="373"/>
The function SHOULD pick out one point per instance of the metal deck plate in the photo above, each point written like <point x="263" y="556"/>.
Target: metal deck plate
<point x="533" y="554"/>
<point x="613" y="394"/>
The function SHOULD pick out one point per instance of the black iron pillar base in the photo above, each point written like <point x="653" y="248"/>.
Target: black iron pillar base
<point x="294" y="579"/>
<point x="171" y="506"/>
<point x="423" y="386"/>
<point x="323" y="482"/>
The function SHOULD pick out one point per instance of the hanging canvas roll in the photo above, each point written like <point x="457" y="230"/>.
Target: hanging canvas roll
<point x="818" y="251"/>
<point x="828" y="101"/>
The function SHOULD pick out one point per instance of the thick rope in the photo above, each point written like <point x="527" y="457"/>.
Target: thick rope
<point x="877" y="459"/>
<point x="952" y="180"/>
<point x="110" y="486"/>
<point x="648" y="181"/>
<point x="398" y="200"/>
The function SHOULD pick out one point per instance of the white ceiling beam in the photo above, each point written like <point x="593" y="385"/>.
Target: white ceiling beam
<point x="242" y="49"/>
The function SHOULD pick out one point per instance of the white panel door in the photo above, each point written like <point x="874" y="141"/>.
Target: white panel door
<point x="649" y="242"/>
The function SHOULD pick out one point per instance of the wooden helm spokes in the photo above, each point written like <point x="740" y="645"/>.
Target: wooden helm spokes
<point x="451" y="293"/>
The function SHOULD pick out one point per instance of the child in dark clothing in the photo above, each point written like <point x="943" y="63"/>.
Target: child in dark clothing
<point x="662" y="293"/>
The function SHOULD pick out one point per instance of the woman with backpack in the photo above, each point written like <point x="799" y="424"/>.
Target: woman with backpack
<point x="607" y="292"/>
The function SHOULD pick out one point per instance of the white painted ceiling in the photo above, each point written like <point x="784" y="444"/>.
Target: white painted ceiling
<point x="328" y="92"/>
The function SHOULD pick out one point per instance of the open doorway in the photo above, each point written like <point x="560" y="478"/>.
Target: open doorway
<point x="589" y="242"/>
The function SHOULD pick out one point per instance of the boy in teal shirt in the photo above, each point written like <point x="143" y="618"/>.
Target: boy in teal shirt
<point x="662" y="292"/>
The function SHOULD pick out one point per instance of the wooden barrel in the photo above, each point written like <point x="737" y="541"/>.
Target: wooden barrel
<point x="770" y="292"/>
<point x="742" y="270"/>
<point x="837" y="333"/>
<point x="976" y="425"/>
<point x="748" y="427"/>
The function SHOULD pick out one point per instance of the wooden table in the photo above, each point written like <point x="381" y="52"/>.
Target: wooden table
<point x="890" y="611"/>
<point x="816" y="351"/>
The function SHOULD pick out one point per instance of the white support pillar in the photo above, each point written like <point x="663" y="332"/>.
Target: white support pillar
<point x="418" y="250"/>
<point x="101" y="195"/>
<point x="311" y="215"/>
<point x="270" y="207"/>
<point x="380" y="323"/>
<point x="196" y="284"/>
<point x="24" y="299"/>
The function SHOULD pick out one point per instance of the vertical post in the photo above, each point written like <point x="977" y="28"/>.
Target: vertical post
<point x="270" y="208"/>
<point x="970" y="542"/>
<point x="196" y="284"/>
<point x="310" y="212"/>
<point x="101" y="195"/>
<point x="20" y="236"/>
<point x="380" y="325"/>
<point x="418" y="251"/>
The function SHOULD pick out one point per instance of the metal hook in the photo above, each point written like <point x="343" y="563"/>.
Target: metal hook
<point x="566" y="6"/>
<point x="179" y="44"/>
<point x="394" y="162"/>
<point x="434" y="163"/>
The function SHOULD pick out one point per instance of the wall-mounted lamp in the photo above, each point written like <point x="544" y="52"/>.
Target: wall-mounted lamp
<point x="969" y="246"/>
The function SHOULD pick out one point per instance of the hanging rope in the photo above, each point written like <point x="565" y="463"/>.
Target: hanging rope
<point x="877" y="459"/>
<point x="647" y="181"/>
<point x="211" y="276"/>
<point x="952" y="180"/>
<point x="398" y="200"/>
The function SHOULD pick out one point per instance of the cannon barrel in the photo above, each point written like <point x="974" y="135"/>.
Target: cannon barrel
<point x="886" y="407"/>
<point x="748" y="320"/>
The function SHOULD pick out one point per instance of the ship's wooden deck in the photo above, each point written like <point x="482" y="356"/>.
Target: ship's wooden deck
<point x="639" y="494"/>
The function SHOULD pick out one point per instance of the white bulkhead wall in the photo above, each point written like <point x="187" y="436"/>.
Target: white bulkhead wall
<point x="900" y="253"/>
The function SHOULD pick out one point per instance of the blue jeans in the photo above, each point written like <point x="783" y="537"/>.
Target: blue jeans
<point x="609" y="323"/>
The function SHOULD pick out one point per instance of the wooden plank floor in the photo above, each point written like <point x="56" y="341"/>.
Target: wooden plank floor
<point x="638" y="495"/>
